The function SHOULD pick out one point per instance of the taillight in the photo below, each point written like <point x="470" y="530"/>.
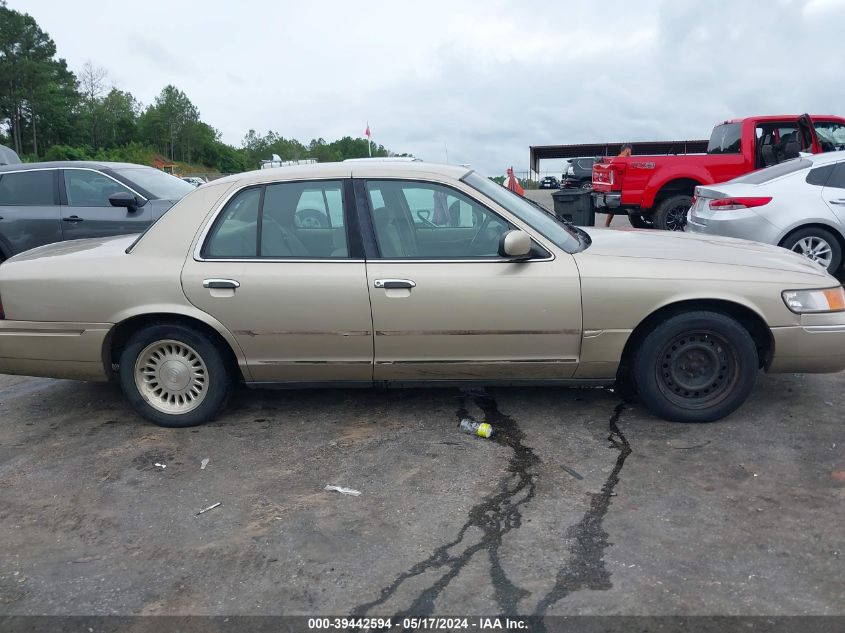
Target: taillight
<point x="729" y="204"/>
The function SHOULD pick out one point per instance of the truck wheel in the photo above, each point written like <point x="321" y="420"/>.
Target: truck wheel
<point x="671" y="214"/>
<point x="640" y="221"/>
<point x="817" y="245"/>
<point x="696" y="367"/>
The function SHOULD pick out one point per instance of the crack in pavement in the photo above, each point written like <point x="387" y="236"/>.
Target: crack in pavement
<point x="499" y="514"/>
<point x="495" y="517"/>
<point x="586" y="569"/>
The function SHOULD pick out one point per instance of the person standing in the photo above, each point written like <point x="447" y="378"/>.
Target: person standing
<point x="627" y="150"/>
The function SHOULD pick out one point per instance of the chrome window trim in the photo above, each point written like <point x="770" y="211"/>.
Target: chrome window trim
<point x="212" y="218"/>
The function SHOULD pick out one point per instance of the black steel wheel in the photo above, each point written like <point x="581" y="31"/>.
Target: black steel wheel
<point x="696" y="367"/>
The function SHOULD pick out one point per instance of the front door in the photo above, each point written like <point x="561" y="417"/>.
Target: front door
<point x="292" y="293"/>
<point x="87" y="212"/>
<point x="447" y="307"/>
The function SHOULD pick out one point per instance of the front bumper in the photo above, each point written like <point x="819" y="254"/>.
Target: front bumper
<point x="817" y="346"/>
<point x="53" y="349"/>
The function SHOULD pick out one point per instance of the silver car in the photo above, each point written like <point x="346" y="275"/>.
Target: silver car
<point x="799" y="205"/>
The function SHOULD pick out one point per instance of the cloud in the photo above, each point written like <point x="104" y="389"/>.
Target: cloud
<point x="483" y="79"/>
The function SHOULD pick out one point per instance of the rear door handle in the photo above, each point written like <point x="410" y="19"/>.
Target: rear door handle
<point x="388" y="284"/>
<point x="73" y="219"/>
<point x="220" y="283"/>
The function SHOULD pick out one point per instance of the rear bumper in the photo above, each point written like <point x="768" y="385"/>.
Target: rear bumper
<point x="53" y="349"/>
<point x="607" y="201"/>
<point x="740" y="224"/>
<point x="813" y="349"/>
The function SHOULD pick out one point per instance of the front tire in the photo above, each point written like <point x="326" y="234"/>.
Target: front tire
<point x="174" y="376"/>
<point x="817" y="245"/>
<point x="671" y="214"/>
<point x="696" y="367"/>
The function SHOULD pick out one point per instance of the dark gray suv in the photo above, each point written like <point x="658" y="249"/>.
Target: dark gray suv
<point x="42" y="203"/>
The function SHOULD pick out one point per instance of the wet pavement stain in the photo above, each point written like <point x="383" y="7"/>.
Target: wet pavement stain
<point x="586" y="569"/>
<point x="495" y="517"/>
<point x="499" y="514"/>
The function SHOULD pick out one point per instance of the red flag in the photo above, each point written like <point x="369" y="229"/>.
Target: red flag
<point x="367" y="132"/>
<point x="512" y="183"/>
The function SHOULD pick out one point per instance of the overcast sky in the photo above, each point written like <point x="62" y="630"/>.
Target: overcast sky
<point x="481" y="80"/>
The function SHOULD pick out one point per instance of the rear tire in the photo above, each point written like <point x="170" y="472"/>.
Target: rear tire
<point x="817" y="245"/>
<point x="174" y="376"/>
<point x="639" y="221"/>
<point x="696" y="367"/>
<point x="671" y="214"/>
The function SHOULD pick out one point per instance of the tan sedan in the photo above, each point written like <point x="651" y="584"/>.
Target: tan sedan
<point x="374" y="273"/>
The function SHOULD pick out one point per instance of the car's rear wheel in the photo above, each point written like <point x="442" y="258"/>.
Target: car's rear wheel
<point x="818" y="245"/>
<point x="671" y="214"/>
<point x="639" y="221"/>
<point x="174" y="376"/>
<point x="696" y="367"/>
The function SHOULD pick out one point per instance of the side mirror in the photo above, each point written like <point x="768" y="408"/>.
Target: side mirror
<point x="123" y="199"/>
<point x="515" y="244"/>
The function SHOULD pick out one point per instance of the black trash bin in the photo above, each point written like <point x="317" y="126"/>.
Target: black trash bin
<point x="575" y="205"/>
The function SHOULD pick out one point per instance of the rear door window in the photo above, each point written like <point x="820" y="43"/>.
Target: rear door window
<point x="837" y="178"/>
<point x="27" y="188"/>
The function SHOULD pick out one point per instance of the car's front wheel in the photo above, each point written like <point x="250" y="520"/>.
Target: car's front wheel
<point x="817" y="245"/>
<point x="696" y="367"/>
<point x="173" y="375"/>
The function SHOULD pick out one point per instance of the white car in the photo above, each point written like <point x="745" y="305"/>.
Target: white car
<point x="798" y="204"/>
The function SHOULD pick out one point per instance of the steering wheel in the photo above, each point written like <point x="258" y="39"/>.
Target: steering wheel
<point x="483" y="241"/>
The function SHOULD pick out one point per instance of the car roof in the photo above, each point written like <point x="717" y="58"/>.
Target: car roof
<point x="778" y="117"/>
<point x="351" y="169"/>
<point x="827" y="157"/>
<point x="79" y="164"/>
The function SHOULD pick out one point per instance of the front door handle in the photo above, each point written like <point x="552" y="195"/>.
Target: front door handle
<point x="389" y="284"/>
<point x="838" y="201"/>
<point x="220" y="283"/>
<point x="73" y="219"/>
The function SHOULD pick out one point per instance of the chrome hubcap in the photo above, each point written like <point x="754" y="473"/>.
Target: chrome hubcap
<point x="171" y="376"/>
<point x="815" y="249"/>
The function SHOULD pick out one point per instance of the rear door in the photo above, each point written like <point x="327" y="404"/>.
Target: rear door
<point x="292" y="294"/>
<point x="29" y="210"/>
<point x="86" y="211"/>
<point x="833" y="192"/>
<point x="446" y="307"/>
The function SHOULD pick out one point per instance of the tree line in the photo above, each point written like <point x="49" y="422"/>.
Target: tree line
<point x="48" y="112"/>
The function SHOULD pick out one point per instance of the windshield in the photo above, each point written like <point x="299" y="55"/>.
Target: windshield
<point x="831" y="135"/>
<point x="775" y="171"/>
<point x="563" y="236"/>
<point x="155" y="182"/>
<point x="726" y="139"/>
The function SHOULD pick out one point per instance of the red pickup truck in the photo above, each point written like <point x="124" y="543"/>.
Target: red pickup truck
<point x="656" y="191"/>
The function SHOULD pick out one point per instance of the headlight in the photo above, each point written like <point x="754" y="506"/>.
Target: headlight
<point x="807" y="301"/>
